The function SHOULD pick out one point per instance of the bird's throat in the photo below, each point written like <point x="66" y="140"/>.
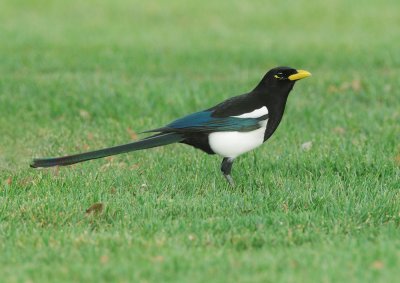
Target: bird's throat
<point x="276" y="108"/>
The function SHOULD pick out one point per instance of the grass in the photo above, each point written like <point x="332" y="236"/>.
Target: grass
<point x="81" y="75"/>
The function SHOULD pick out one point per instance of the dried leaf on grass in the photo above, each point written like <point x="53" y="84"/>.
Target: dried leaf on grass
<point x="377" y="264"/>
<point x="132" y="134"/>
<point x="104" y="259"/>
<point x="95" y="208"/>
<point x="397" y="159"/>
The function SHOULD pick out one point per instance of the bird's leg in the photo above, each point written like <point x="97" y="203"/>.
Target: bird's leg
<point x="226" y="167"/>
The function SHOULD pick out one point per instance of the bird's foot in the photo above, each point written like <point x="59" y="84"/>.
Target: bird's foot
<point x="230" y="180"/>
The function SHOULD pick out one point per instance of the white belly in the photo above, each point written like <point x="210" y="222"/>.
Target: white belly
<point x="232" y="144"/>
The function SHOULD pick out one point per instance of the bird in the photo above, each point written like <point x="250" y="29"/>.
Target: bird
<point x="228" y="129"/>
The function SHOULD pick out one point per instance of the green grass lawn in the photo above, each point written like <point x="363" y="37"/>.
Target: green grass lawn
<point x="80" y="75"/>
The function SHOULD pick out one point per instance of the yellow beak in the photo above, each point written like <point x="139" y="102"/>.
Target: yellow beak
<point x="301" y="74"/>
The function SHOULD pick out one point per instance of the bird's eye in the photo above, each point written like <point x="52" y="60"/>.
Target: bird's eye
<point x="279" y="76"/>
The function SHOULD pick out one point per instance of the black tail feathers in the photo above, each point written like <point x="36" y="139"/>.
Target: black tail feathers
<point x="152" y="141"/>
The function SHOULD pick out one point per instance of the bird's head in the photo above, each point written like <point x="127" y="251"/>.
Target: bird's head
<point x="281" y="78"/>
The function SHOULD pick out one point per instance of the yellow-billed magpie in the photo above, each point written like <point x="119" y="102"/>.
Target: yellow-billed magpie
<point x="231" y="128"/>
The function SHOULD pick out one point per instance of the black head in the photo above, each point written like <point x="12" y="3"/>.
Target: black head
<point x="273" y="91"/>
<point x="281" y="80"/>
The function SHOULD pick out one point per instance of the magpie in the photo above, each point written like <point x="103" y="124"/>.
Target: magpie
<point x="229" y="129"/>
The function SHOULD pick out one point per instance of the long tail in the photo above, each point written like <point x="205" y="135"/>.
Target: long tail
<point x="152" y="141"/>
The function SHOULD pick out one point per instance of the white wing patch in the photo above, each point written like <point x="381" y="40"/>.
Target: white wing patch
<point x="233" y="144"/>
<point x="255" y="113"/>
